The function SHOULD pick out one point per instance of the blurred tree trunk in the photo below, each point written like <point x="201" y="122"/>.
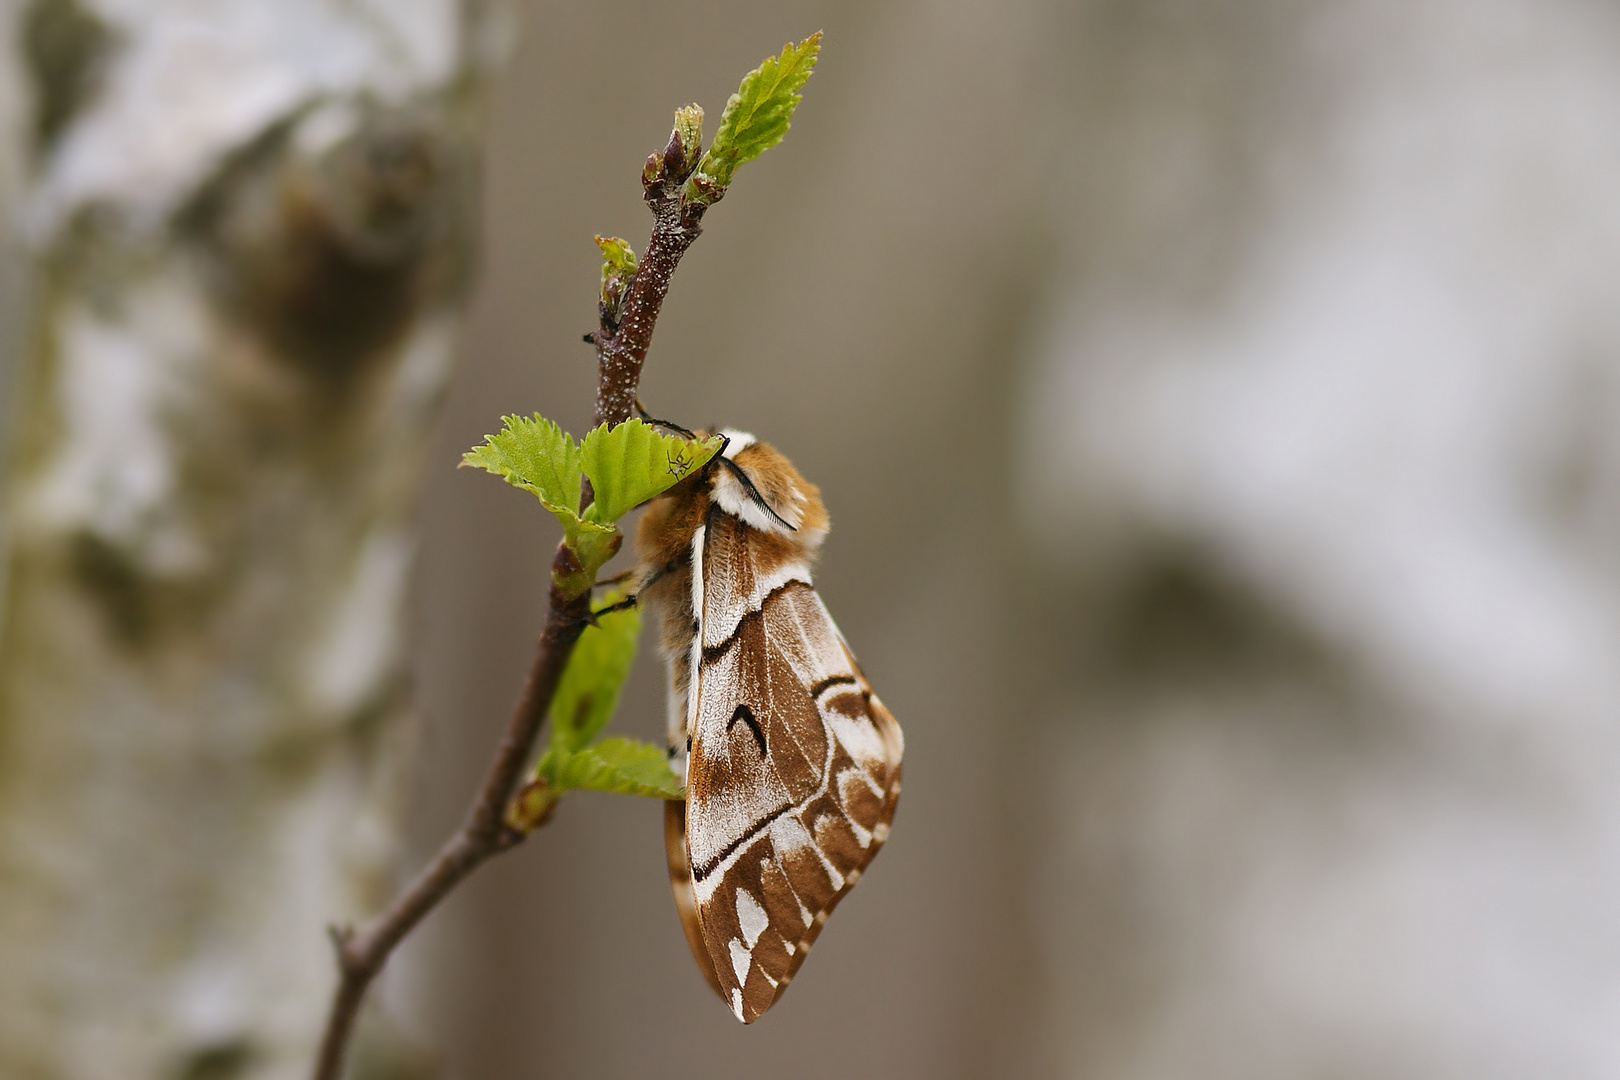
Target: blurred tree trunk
<point x="248" y="237"/>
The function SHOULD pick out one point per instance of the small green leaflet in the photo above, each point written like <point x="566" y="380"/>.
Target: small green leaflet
<point x="584" y="702"/>
<point x="618" y="258"/>
<point x="582" y="705"/>
<point x="756" y="117"/>
<point x="536" y="455"/>
<point x="618" y="270"/>
<point x="589" y="689"/>
<point x="627" y="464"/>
<point x="623" y="766"/>
<point x="631" y="463"/>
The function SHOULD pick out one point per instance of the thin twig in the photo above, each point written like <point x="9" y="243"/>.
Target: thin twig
<point x="361" y="954"/>
<point x="621" y="352"/>
<point x="621" y="348"/>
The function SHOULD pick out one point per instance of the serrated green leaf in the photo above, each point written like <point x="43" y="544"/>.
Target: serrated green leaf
<point x="589" y="689"/>
<point x="633" y="462"/>
<point x="624" y="766"/>
<point x="536" y="455"/>
<point x="756" y="118"/>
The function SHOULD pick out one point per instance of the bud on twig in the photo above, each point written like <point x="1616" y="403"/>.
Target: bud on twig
<point x="618" y="270"/>
<point x="689" y="132"/>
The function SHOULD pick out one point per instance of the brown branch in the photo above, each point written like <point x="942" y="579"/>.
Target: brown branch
<point x="361" y="954"/>
<point x="621" y="351"/>
<point x="627" y="327"/>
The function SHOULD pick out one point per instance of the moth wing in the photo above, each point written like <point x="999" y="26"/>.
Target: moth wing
<point x="793" y="774"/>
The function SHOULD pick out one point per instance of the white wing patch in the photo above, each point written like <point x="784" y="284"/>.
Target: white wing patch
<point x="695" y="659"/>
<point x="859" y="737"/>
<point x="751" y="917"/>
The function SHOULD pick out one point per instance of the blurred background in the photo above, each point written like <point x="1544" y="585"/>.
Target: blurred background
<point x="1216" y="403"/>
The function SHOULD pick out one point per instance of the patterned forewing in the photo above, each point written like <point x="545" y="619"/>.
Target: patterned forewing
<point x="792" y="780"/>
<point x="739" y="575"/>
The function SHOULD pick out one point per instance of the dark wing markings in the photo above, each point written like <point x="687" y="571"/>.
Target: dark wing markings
<point x="831" y="681"/>
<point x="746" y="715"/>
<point x="711" y="653"/>
<point x="701" y="872"/>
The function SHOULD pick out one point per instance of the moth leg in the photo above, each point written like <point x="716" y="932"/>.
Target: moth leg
<point x="631" y="600"/>
<point x="590" y="618"/>
<point x="622" y="605"/>
<point x="628" y="601"/>
<point x="667" y="568"/>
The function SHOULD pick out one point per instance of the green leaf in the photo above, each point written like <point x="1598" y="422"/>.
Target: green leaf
<point x="625" y="766"/>
<point x="535" y="455"/>
<point x="756" y="117"/>
<point x="583" y="704"/>
<point x="632" y="462"/>
<point x="589" y="689"/>
<point x="538" y="456"/>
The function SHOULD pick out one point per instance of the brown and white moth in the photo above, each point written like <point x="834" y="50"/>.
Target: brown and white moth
<point x="791" y="763"/>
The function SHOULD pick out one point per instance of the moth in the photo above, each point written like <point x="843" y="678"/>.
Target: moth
<point x="791" y="763"/>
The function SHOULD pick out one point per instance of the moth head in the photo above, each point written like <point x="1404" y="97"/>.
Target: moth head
<point x="757" y="485"/>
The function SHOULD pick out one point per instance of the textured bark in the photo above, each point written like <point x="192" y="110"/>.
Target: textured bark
<point x="249" y="237"/>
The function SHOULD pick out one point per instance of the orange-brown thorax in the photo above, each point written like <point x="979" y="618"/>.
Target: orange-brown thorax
<point x="664" y="535"/>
